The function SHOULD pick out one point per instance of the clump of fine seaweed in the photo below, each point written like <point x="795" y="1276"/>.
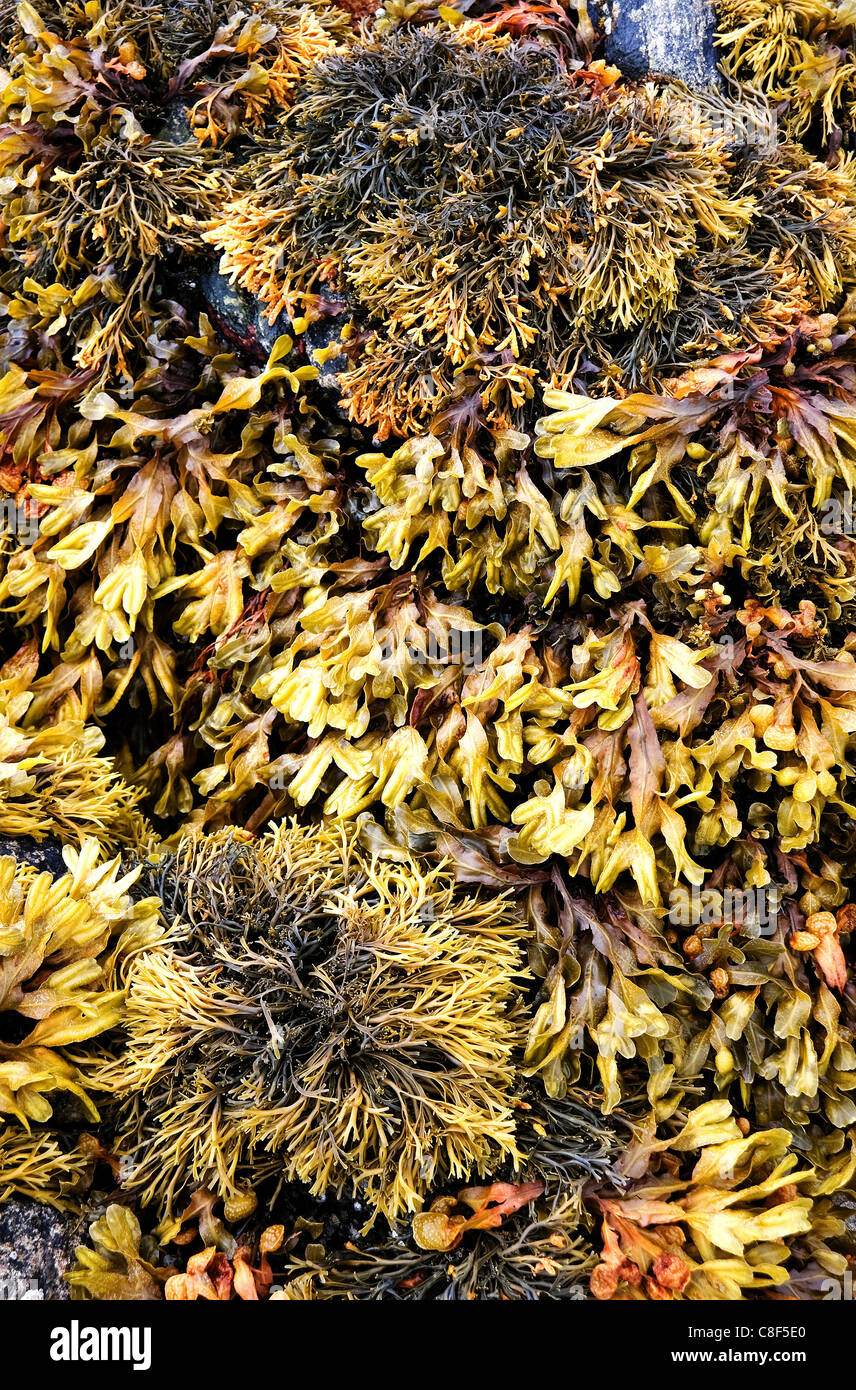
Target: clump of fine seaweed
<point x="317" y="1013"/>
<point x="565" y="1140"/>
<point x="540" y="213"/>
<point x="42" y="1166"/>
<point x="95" y="130"/>
<point x="801" y="54"/>
<point x="498" y="1242"/>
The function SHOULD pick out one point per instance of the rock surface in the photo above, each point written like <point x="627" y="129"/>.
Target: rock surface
<point x="669" y="38"/>
<point x="36" y="1248"/>
<point x="45" y="854"/>
<point x="239" y="317"/>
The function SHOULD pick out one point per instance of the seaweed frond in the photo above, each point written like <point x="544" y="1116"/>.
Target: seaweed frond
<point x="63" y="945"/>
<point x="329" y="1016"/>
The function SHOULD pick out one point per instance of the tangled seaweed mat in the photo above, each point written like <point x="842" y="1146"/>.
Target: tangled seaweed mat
<point x="452" y="769"/>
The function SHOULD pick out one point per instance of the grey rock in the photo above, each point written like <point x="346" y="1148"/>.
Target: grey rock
<point x="176" y="128"/>
<point x="36" y="1248"/>
<point x="666" y="38"/>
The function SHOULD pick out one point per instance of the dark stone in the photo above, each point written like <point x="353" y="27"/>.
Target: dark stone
<point x="176" y="128"/>
<point x="664" y="38"/>
<point x="239" y="317"/>
<point x="320" y="335"/>
<point x="46" y="854"/>
<point x="37" y="1246"/>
